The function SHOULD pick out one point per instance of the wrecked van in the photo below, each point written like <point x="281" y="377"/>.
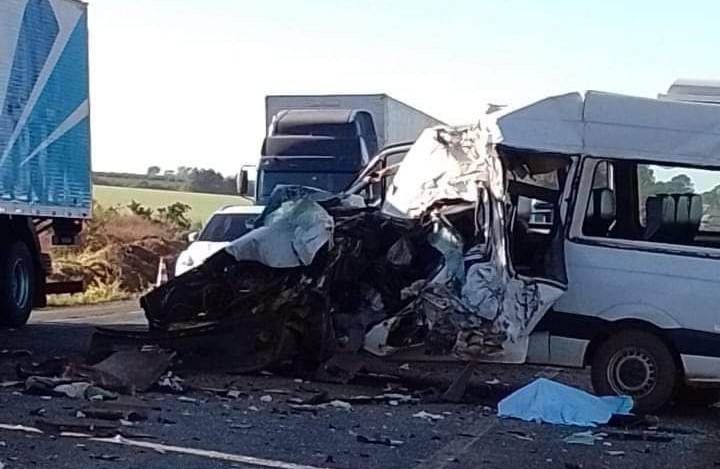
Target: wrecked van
<point x="450" y="264"/>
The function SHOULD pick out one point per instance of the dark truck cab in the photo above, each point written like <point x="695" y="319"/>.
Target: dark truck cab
<point x="321" y="148"/>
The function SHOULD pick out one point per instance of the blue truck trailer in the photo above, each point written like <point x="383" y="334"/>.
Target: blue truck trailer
<point x="45" y="181"/>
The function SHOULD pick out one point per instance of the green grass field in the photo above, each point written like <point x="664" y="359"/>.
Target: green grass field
<point x="202" y="204"/>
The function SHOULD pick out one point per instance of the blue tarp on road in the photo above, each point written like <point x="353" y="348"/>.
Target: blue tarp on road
<point x="546" y="401"/>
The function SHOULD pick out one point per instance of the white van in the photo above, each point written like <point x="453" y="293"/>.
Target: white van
<point x="638" y="208"/>
<point x="633" y="187"/>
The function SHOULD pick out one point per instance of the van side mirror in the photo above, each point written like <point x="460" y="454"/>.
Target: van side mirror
<point x="243" y="183"/>
<point x="192" y="236"/>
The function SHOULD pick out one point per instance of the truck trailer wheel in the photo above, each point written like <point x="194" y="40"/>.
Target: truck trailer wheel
<point x="17" y="284"/>
<point x="637" y="364"/>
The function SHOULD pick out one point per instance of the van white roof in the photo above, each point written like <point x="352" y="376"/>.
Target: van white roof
<point x="615" y="126"/>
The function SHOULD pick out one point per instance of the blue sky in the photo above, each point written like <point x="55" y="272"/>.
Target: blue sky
<point x="182" y="82"/>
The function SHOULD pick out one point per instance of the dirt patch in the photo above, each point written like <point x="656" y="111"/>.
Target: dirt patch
<point x="119" y="249"/>
<point x="134" y="265"/>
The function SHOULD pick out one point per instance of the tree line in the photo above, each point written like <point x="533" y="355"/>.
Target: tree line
<point x="183" y="178"/>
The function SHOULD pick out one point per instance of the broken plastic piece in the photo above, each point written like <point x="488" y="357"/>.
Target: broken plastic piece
<point x="379" y="441"/>
<point x="428" y="416"/>
<point x="73" y="391"/>
<point x="587" y="438"/>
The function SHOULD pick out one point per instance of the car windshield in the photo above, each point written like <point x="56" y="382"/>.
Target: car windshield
<point x="227" y="227"/>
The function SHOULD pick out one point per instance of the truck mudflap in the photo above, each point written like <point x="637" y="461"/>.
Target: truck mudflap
<point x="427" y="275"/>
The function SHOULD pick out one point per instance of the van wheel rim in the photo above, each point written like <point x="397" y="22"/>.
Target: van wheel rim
<point x="21" y="283"/>
<point x="632" y="371"/>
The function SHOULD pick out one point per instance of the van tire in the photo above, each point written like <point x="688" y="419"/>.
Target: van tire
<point x="17" y="284"/>
<point x="639" y="364"/>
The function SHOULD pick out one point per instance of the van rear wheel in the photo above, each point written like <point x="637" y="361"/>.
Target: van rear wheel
<point x="637" y="364"/>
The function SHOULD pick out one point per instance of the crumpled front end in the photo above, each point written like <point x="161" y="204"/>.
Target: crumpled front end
<point x="429" y="273"/>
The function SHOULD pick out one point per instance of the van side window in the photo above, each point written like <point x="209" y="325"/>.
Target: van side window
<point x="679" y="204"/>
<point x="601" y="210"/>
<point x="654" y="203"/>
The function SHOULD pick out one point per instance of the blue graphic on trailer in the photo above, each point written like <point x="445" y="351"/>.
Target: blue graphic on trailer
<point x="44" y="121"/>
<point x="31" y="52"/>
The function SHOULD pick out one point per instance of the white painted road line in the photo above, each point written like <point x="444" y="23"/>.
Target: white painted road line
<point x="217" y="455"/>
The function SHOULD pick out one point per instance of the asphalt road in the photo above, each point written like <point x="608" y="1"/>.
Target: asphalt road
<point x="257" y="427"/>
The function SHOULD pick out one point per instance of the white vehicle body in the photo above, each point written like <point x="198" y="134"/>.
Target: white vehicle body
<point x="693" y="90"/>
<point x="223" y="227"/>
<point x="669" y="287"/>
<point x="635" y="236"/>
<point x="395" y="121"/>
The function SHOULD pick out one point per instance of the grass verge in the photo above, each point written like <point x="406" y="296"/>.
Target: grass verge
<point x="96" y="293"/>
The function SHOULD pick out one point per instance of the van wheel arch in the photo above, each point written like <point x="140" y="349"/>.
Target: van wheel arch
<point x="630" y="324"/>
<point x="623" y="348"/>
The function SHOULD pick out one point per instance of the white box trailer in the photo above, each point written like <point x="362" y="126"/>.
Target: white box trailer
<point x="395" y="121"/>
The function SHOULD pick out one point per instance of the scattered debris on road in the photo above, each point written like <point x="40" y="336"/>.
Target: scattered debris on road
<point x="654" y="436"/>
<point x="519" y="435"/>
<point x="342" y="405"/>
<point x="587" y="438"/>
<point x="112" y="411"/>
<point x="130" y="371"/>
<point x="428" y="416"/>
<point x="385" y="441"/>
<point x="615" y="453"/>
<point x="171" y="382"/>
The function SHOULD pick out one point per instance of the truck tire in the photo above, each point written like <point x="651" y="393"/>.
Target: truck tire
<point x="637" y="364"/>
<point x="17" y="284"/>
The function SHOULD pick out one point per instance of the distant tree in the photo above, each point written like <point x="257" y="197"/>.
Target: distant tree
<point x="169" y="174"/>
<point x="207" y="180"/>
<point x="712" y="197"/>
<point x="153" y="171"/>
<point x="183" y="172"/>
<point x="649" y="185"/>
<point x="230" y="186"/>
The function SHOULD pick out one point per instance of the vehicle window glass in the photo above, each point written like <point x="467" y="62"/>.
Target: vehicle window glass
<point x="368" y="132"/>
<point x="658" y="182"/>
<point x="321" y="130"/>
<point x="226" y="227"/>
<point x="544" y="180"/>
<point x="602" y="176"/>
<point x="600" y="211"/>
<point x="539" y="213"/>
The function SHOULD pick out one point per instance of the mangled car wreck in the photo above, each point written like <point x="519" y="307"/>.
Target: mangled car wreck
<point x="326" y="274"/>
<point x="478" y="233"/>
